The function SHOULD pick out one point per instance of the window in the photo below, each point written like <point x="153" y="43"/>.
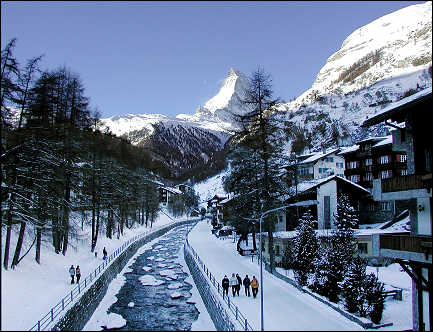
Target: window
<point x="339" y="165"/>
<point x="386" y="206"/>
<point x="368" y="162"/>
<point x="384" y="159"/>
<point x="403" y="172"/>
<point x="401" y="158"/>
<point x="386" y="174"/>
<point x="277" y="250"/>
<point x="371" y="207"/>
<point x="329" y="159"/>
<point x="362" y="248"/>
<point x="355" y="178"/>
<point x="280" y="219"/>
<point x="353" y="164"/>
<point x="368" y="176"/>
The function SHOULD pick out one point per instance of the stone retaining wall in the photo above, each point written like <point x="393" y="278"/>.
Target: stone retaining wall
<point x="215" y="308"/>
<point x="76" y="317"/>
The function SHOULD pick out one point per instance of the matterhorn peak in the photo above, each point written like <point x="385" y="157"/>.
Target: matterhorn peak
<point x="233" y="86"/>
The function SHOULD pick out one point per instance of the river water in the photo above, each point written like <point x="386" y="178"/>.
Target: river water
<point x="155" y="295"/>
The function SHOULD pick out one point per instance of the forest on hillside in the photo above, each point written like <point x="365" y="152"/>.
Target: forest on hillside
<point x="56" y="159"/>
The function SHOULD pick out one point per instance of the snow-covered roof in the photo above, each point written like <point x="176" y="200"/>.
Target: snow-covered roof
<point x="172" y="190"/>
<point x="348" y="149"/>
<point x="307" y="185"/>
<point x="228" y="199"/>
<point x="386" y="141"/>
<point x="380" y="116"/>
<point x="375" y="138"/>
<point x="318" y="156"/>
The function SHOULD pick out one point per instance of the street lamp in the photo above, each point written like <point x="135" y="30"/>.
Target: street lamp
<point x="304" y="203"/>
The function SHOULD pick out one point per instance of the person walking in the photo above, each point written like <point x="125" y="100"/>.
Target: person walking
<point x="104" y="252"/>
<point x="72" y="273"/>
<point x="225" y="283"/>
<point x="238" y="288"/>
<point x="78" y="273"/>
<point x="234" y="284"/>
<point x="247" y="283"/>
<point x="254" y="286"/>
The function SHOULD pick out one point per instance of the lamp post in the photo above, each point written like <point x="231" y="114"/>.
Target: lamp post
<point x="304" y="203"/>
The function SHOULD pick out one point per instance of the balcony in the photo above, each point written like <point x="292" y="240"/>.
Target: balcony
<point x="417" y="248"/>
<point x="403" y="183"/>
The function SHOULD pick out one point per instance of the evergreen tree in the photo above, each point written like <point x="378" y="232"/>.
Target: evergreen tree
<point x="374" y="299"/>
<point x="305" y="249"/>
<point x="353" y="285"/>
<point x="261" y="133"/>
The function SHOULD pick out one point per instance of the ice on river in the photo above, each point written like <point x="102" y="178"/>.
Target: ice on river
<point x="174" y="285"/>
<point x="161" y="265"/>
<point x="148" y="280"/>
<point x="175" y="295"/>
<point x="168" y="273"/>
<point x="115" y="321"/>
<point x="151" y="257"/>
<point x="159" y="259"/>
<point x="147" y="268"/>
<point x="131" y="304"/>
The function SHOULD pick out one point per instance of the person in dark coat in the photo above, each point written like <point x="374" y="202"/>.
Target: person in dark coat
<point x="239" y="284"/>
<point x="72" y="273"/>
<point x="247" y="283"/>
<point x="78" y="273"/>
<point x="104" y="252"/>
<point x="225" y="283"/>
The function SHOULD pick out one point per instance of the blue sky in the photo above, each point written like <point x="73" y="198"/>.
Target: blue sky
<point x="171" y="57"/>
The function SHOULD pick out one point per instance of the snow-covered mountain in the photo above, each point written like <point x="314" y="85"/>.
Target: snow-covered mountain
<point x="396" y="44"/>
<point x="378" y="64"/>
<point x="187" y="141"/>
<point x="225" y="105"/>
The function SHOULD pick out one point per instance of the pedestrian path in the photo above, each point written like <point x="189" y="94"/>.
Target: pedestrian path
<point x="285" y="307"/>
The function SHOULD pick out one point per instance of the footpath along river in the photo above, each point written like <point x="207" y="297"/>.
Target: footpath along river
<point x="155" y="294"/>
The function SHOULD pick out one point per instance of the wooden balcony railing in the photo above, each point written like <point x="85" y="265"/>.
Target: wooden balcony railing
<point x="418" y="243"/>
<point x="401" y="183"/>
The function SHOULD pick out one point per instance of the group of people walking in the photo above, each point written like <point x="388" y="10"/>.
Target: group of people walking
<point x="235" y="283"/>
<point x="75" y="272"/>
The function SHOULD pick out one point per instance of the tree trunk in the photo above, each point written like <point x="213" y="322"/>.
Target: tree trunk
<point x="19" y="245"/>
<point x="7" y="246"/>
<point x="38" y="245"/>
<point x="66" y="217"/>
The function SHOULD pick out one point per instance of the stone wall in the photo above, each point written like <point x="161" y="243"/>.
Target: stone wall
<point x="215" y="308"/>
<point x="77" y="316"/>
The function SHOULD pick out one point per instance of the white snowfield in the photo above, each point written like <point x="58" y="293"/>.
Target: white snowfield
<point x="285" y="308"/>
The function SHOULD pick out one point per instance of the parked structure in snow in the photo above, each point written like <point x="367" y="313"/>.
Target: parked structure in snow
<point x="413" y="252"/>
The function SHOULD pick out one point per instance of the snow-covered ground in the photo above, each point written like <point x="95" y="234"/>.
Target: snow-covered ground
<point x="285" y="307"/>
<point x="29" y="291"/>
<point x="25" y="296"/>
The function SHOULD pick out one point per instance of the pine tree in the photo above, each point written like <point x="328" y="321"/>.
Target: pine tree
<point x="374" y="299"/>
<point x="353" y="285"/>
<point x="305" y="249"/>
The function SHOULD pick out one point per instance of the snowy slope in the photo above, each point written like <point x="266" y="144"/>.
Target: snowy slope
<point x="403" y="40"/>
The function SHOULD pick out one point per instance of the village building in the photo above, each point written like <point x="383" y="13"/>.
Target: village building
<point x="412" y="251"/>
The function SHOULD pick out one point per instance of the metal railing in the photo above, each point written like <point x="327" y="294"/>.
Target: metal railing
<point x="237" y="314"/>
<point x="69" y="298"/>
